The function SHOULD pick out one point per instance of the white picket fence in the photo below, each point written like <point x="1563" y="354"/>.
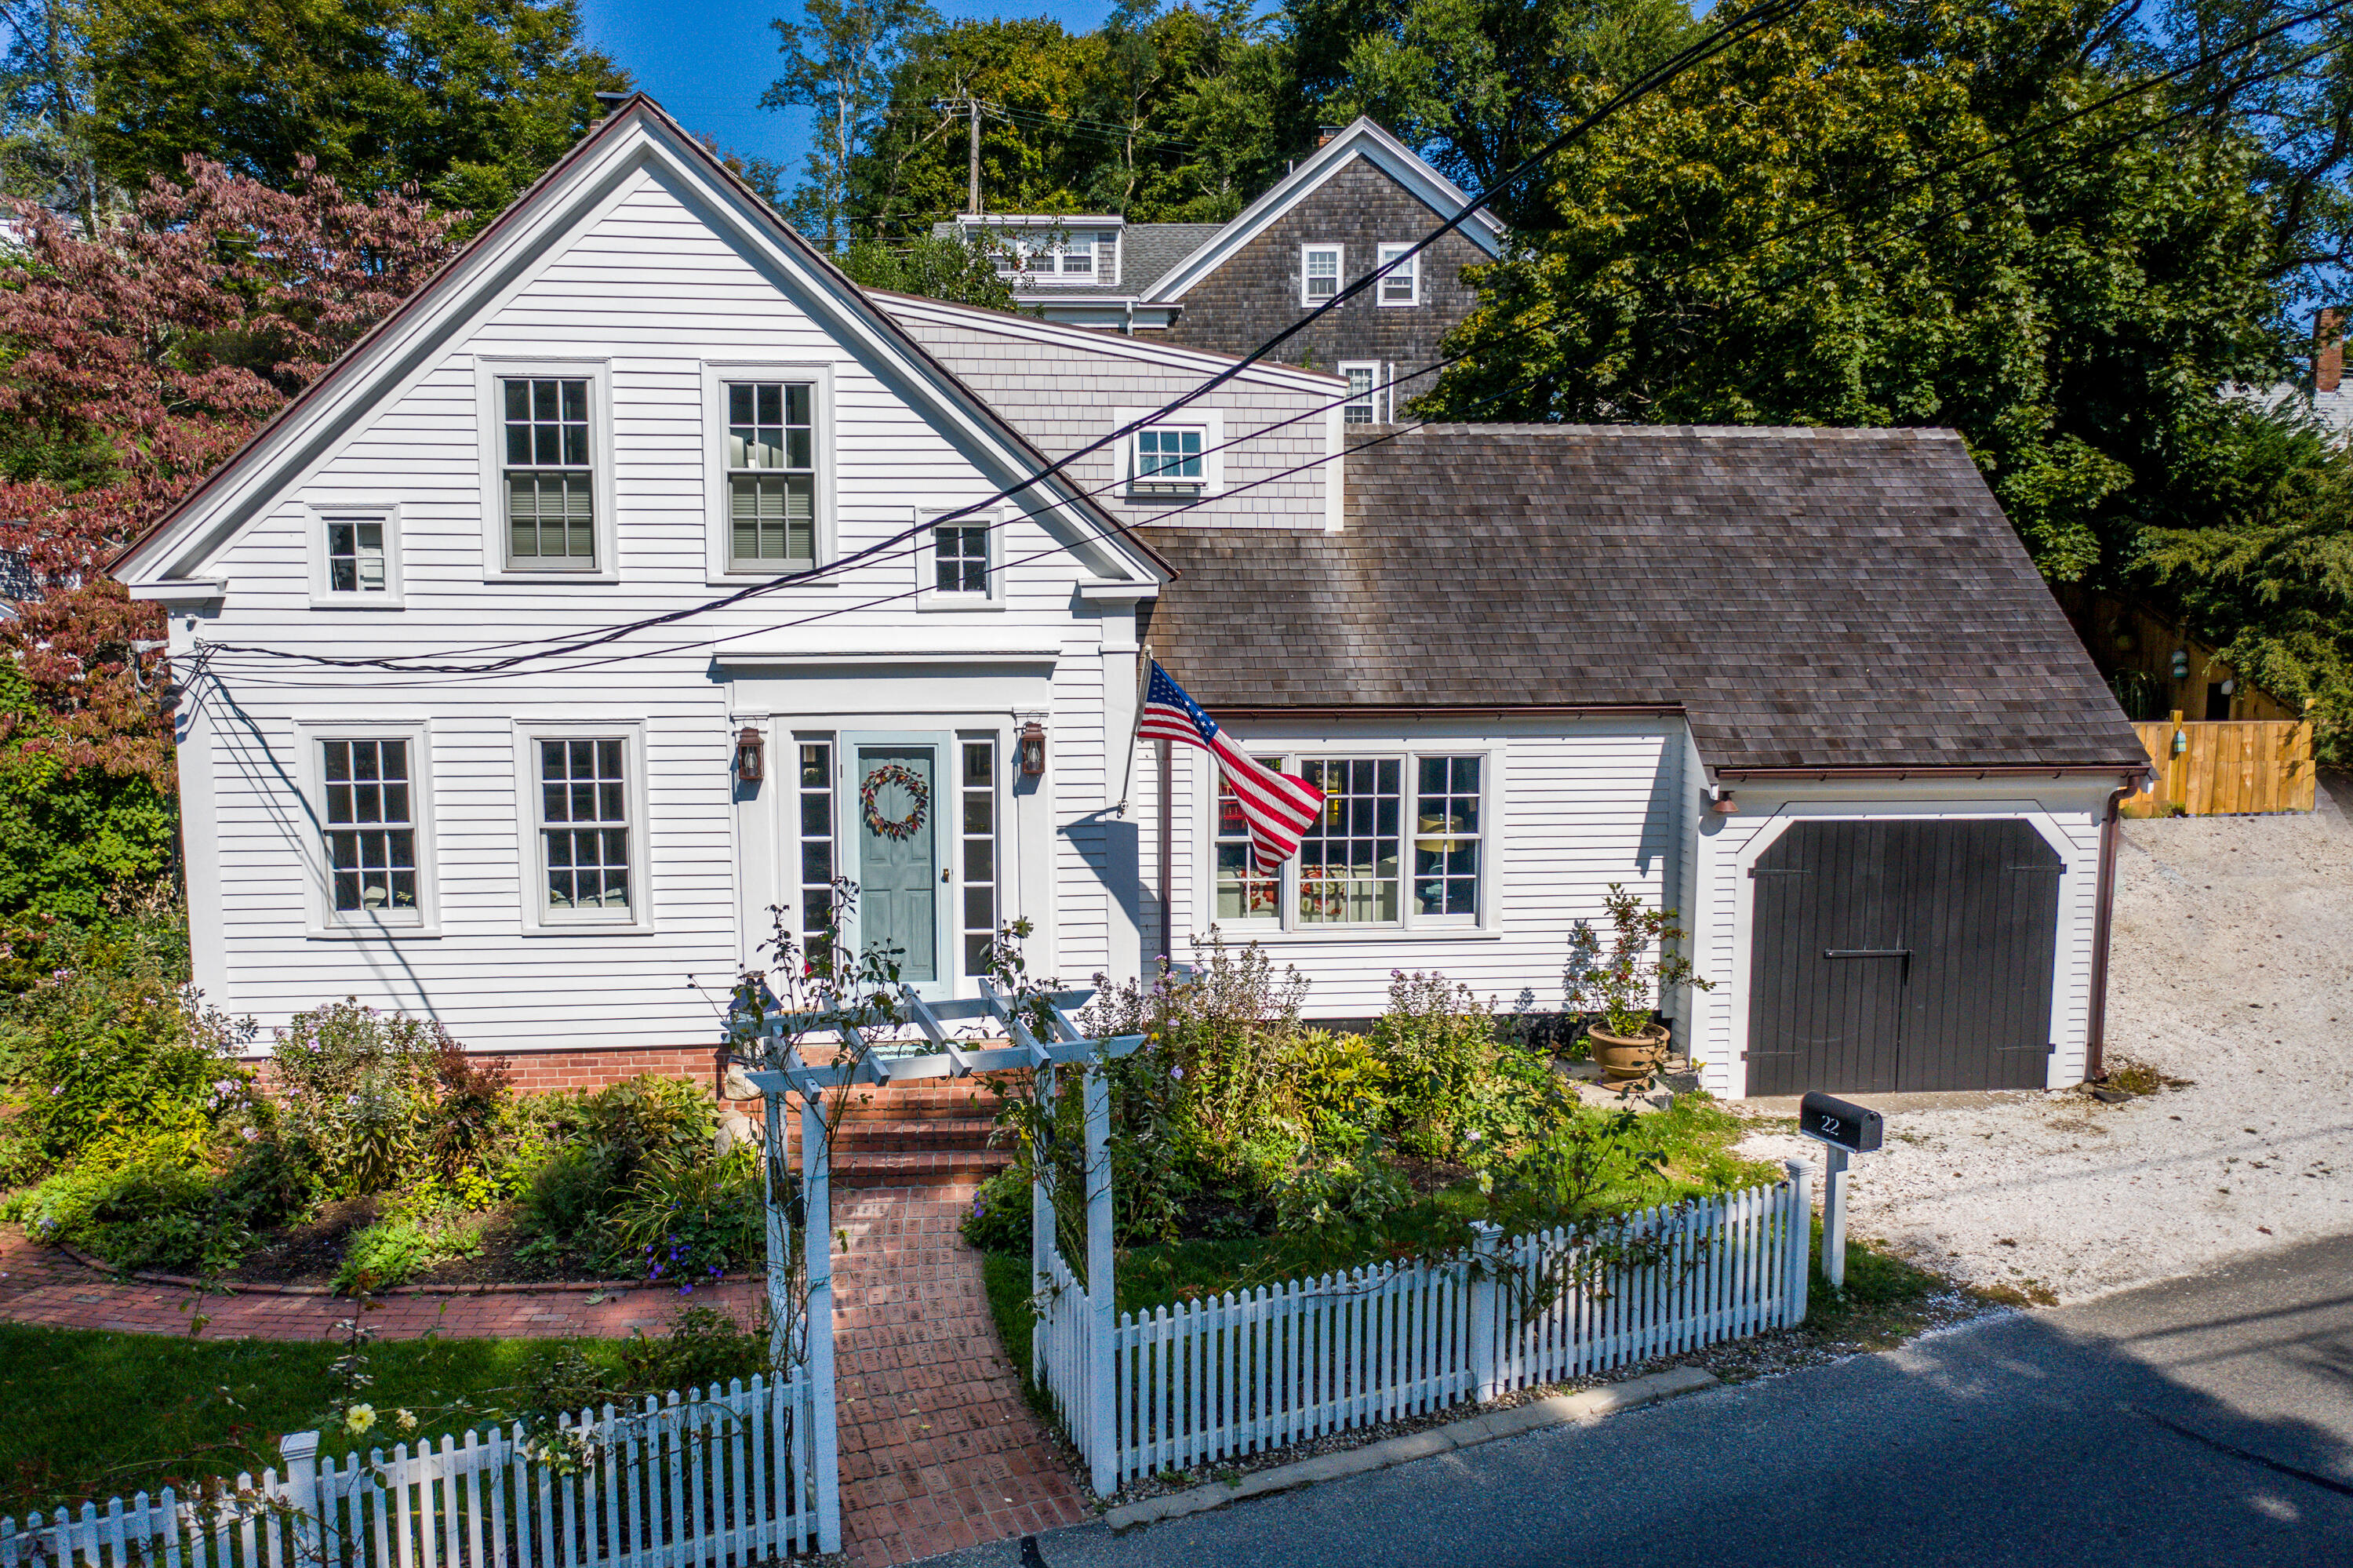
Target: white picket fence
<point x="1247" y="1373"/>
<point x="717" y="1479"/>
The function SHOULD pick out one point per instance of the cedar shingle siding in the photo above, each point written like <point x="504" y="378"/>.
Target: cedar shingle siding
<point x="1256" y="293"/>
<point x="1831" y="599"/>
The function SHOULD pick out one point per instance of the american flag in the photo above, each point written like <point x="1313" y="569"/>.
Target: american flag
<point x="1278" y="807"/>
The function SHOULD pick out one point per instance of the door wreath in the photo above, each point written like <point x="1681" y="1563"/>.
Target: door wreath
<point x="918" y="792"/>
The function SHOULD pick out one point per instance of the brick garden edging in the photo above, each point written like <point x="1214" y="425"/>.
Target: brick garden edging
<point x="264" y="1288"/>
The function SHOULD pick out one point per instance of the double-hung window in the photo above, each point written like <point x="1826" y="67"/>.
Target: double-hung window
<point x="1319" y="273"/>
<point x="369" y="798"/>
<point x="771" y="474"/>
<point x="1400" y="276"/>
<point x="1364" y="392"/>
<point x="590" y="853"/>
<point x="1398" y="844"/>
<point x="549" y="468"/>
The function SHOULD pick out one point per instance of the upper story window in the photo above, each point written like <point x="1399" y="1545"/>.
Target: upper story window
<point x="771" y="474"/>
<point x="1168" y="454"/>
<point x="550" y="472"/>
<point x="1400" y="276"/>
<point x="1319" y="273"/>
<point x="960" y="557"/>
<point x="1363" y="393"/>
<point x="1057" y="255"/>
<point x="355" y="555"/>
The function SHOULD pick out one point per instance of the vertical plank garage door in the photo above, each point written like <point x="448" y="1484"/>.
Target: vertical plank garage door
<point x="1901" y="955"/>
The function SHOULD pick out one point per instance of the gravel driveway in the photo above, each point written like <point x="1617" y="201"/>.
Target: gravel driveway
<point x="2232" y="967"/>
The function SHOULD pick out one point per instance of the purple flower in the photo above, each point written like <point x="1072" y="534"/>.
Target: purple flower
<point x="1175" y="1072"/>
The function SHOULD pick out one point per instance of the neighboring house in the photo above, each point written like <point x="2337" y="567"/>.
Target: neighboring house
<point x="1528" y="663"/>
<point x="1357" y="204"/>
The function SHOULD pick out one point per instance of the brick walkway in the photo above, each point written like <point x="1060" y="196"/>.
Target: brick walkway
<point x="938" y="1449"/>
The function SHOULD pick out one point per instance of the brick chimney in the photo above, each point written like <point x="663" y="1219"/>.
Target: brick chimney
<point x="2327" y="350"/>
<point x="1324" y="134"/>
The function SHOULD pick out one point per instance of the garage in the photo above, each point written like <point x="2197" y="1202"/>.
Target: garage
<point x="1903" y="956"/>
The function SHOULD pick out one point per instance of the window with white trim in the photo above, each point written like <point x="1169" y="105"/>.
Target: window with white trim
<point x="587" y="869"/>
<point x="1364" y="392"/>
<point x="960" y="557"/>
<point x="1399" y="842"/>
<point x="1400" y="283"/>
<point x="356" y="559"/>
<point x="771" y="474"/>
<point x="1319" y="273"/>
<point x="813" y="795"/>
<point x="369" y="817"/>
<point x="548" y="465"/>
<point x="978" y="911"/>
<point x="1169" y="454"/>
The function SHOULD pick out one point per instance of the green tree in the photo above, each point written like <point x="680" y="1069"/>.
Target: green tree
<point x="937" y="268"/>
<point x="470" y="100"/>
<point x="1770" y="240"/>
<point x="838" y="62"/>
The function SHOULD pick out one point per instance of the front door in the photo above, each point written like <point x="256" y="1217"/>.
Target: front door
<point x="894" y="796"/>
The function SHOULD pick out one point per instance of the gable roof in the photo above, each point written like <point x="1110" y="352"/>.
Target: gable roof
<point x="1363" y="139"/>
<point x="505" y="255"/>
<point x="1810" y="600"/>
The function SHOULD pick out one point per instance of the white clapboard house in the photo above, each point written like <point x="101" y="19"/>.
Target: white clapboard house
<point x="1802" y="685"/>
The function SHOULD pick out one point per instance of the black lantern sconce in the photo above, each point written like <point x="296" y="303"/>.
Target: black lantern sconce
<point x="751" y="758"/>
<point x="1033" y="749"/>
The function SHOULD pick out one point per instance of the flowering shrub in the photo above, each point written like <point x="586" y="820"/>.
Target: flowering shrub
<point x="686" y="1224"/>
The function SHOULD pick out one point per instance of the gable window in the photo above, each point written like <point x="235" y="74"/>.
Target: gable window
<point x="960" y="557"/>
<point x="355" y="555"/>
<point x="1401" y="277"/>
<point x="1319" y="273"/>
<point x="1399" y="843"/>
<point x="371" y="827"/>
<point x="549" y="473"/>
<point x="771" y="474"/>
<point x="585" y="832"/>
<point x="1363" y="398"/>
<point x="1168" y="454"/>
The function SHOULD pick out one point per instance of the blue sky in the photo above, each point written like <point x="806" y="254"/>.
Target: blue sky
<point x="707" y="61"/>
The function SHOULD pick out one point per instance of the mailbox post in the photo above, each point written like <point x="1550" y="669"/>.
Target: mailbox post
<point x="1842" y="1129"/>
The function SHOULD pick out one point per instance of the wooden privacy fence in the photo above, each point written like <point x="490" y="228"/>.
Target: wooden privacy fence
<point x="2225" y="767"/>
<point x="720" y="1478"/>
<point x="1245" y="1374"/>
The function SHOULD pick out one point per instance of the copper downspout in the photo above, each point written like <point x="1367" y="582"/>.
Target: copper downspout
<point x="2103" y="900"/>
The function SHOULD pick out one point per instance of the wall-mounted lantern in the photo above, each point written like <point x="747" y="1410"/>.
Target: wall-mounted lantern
<point x="1724" y="804"/>
<point x="1033" y="749"/>
<point x="2180" y="741"/>
<point x="751" y="764"/>
<point x="2181" y="663"/>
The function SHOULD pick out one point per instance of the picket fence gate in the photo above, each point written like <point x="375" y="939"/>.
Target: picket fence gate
<point x="717" y="1479"/>
<point x="1247" y="1372"/>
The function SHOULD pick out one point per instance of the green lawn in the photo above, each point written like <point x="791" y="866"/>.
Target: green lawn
<point x="84" y="1412"/>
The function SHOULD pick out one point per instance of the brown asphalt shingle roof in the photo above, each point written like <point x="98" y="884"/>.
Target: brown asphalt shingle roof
<point x="1811" y="599"/>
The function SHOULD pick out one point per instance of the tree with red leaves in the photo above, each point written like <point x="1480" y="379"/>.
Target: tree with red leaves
<point x="131" y="362"/>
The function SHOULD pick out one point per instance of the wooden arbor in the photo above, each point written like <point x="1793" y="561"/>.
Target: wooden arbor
<point x="785" y="1072"/>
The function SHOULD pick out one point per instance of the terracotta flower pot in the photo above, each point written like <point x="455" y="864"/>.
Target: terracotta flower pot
<point x="1629" y="1056"/>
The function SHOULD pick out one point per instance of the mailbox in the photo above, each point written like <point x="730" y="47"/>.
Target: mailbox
<point x="1851" y="1126"/>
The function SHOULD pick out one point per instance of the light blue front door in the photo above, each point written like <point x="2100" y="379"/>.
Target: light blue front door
<point x="895" y="790"/>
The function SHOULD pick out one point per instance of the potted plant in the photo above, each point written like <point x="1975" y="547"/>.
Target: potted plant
<point x="1614" y="985"/>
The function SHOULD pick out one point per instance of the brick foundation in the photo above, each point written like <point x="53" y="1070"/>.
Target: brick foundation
<point x="536" y="1072"/>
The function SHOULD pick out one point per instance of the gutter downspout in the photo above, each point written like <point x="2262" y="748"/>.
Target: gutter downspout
<point x="1167" y="848"/>
<point x="2103" y="902"/>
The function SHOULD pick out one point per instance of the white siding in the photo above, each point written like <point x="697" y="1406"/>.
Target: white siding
<point x="652" y="291"/>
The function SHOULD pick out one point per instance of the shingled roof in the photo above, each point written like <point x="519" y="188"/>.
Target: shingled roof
<point x="1809" y="598"/>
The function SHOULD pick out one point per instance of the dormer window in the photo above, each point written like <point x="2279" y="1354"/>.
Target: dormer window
<point x="1079" y="256"/>
<point x="1319" y="273"/>
<point x="1050" y="253"/>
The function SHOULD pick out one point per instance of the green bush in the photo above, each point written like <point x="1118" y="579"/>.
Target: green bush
<point x="1340" y="1087"/>
<point x="137" y="1203"/>
<point x="394" y="1251"/>
<point x="355" y="1088"/>
<point x="1000" y="1220"/>
<point x="686" y="1224"/>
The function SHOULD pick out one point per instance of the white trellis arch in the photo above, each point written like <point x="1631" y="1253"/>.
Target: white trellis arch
<point x="937" y="1056"/>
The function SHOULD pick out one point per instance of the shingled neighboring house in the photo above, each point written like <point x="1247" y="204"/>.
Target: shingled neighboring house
<point x="1804" y="684"/>
<point x="1358" y="202"/>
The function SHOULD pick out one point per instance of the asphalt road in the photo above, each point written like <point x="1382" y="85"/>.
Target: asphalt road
<point x="2201" y="1420"/>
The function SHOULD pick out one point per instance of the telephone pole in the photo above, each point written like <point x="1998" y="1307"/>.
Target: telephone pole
<point x="971" y="105"/>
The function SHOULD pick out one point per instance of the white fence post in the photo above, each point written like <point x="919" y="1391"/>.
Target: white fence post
<point x="1800" y="1255"/>
<point x="300" y="1452"/>
<point x="816" y="1233"/>
<point x="1102" y="1297"/>
<point x="1042" y="1244"/>
<point x="1486" y="1343"/>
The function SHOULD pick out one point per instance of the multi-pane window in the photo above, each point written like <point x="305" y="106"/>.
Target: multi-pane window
<point x="960" y="557"/>
<point x="1243" y="894"/>
<point x="977" y="792"/>
<point x="772" y="472"/>
<point x="1399" y="281"/>
<point x="1169" y="455"/>
<point x="1362" y="396"/>
<point x="1079" y="256"/>
<point x="814" y="794"/>
<point x="370" y="826"/>
<point x="355" y="555"/>
<point x="1319" y="270"/>
<point x="1348" y="860"/>
<point x="550" y="475"/>
<point x="1446" y="836"/>
<point x="583" y="815"/>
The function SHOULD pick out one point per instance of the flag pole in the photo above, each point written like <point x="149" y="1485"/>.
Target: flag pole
<point x="1127" y="768"/>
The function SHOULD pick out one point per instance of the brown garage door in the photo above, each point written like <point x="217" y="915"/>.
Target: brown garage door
<point x="1903" y="956"/>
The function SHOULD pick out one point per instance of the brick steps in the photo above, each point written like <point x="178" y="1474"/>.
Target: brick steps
<point x="914" y="1135"/>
